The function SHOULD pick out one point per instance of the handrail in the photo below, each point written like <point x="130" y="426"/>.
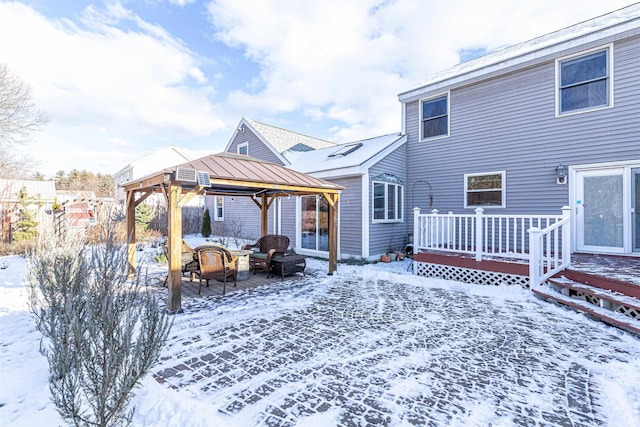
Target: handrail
<point x="550" y="249"/>
<point x="542" y="240"/>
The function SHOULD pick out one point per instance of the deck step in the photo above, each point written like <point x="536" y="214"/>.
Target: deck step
<point x="611" y="307"/>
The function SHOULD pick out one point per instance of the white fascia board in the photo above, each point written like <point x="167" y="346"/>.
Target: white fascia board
<point x="385" y="152"/>
<point x="235" y="133"/>
<point x="268" y="145"/>
<point x="338" y="173"/>
<point x="508" y="63"/>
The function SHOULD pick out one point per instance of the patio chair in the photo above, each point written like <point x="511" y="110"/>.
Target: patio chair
<point x="266" y="246"/>
<point x="216" y="263"/>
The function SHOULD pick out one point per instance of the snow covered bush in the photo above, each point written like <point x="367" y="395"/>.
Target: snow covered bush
<point x="101" y="331"/>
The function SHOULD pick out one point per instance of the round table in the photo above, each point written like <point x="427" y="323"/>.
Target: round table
<point x="242" y="263"/>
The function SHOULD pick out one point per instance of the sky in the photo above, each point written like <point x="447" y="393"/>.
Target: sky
<point x="120" y="79"/>
<point x="373" y="338"/>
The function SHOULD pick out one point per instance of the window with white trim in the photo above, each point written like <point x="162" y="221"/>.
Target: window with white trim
<point x="434" y="117"/>
<point x="243" y="148"/>
<point x="388" y="201"/>
<point x="218" y="208"/>
<point x="584" y="82"/>
<point x="486" y="190"/>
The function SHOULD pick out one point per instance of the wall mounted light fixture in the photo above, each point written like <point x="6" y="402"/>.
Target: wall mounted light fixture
<point x="561" y="174"/>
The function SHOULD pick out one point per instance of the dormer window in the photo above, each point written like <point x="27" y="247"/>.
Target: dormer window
<point x="243" y="148"/>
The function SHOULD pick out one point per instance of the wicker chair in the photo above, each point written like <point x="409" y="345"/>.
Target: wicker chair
<point x="216" y="263"/>
<point x="266" y="245"/>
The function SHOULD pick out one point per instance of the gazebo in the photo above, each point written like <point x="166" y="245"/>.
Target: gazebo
<point x="222" y="174"/>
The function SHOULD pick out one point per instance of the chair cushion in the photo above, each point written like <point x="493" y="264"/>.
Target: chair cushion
<point x="258" y="255"/>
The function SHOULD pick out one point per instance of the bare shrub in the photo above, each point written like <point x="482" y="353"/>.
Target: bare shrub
<point x="101" y="331"/>
<point x="236" y="228"/>
<point x="219" y="230"/>
<point x="16" y="247"/>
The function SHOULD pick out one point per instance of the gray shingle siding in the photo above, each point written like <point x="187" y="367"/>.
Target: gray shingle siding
<point x="257" y="148"/>
<point x="350" y="222"/>
<point x="509" y="123"/>
<point x="382" y="235"/>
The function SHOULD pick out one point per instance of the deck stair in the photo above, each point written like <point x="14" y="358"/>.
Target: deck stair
<point x="612" y="301"/>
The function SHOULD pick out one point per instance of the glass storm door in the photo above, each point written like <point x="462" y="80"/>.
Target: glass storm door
<point x="314" y="223"/>
<point x="600" y="210"/>
<point x="635" y="209"/>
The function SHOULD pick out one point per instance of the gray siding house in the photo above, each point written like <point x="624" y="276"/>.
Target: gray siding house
<point x="371" y="208"/>
<point x="529" y="129"/>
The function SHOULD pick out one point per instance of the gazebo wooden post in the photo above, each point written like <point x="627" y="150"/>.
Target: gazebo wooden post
<point x="264" y="215"/>
<point x="332" y="200"/>
<point x="131" y="231"/>
<point x="174" y="237"/>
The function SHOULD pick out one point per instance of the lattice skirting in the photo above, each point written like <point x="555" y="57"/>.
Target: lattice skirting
<point x="600" y="302"/>
<point x="469" y="275"/>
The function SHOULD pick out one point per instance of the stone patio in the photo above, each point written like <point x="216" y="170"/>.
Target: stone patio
<point x="383" y="349"/>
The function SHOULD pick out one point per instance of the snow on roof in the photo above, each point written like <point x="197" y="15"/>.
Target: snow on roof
<point x="610" y="24"/>
<point x="165" y="157"/>
<point x="341" y="156"/>
<point x="283" y="139"/>
<point x="44" y="190"/>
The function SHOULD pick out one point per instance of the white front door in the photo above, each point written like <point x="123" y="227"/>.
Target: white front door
<point x="600" y="210"/>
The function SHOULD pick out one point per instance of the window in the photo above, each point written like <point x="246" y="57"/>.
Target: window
<point x="218" y="208"/>
<point x="347" y="149"/>
<point x="484" y="190"/>
<point x="387" y="202"/>
<point x="434" y="117"/>
<point x="243" y="148"/>
<point x="584" y="82"/>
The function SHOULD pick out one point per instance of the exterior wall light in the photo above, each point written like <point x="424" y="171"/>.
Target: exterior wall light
<point x="561" y="174"/>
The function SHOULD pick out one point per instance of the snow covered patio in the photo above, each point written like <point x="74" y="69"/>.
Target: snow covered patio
<point x="371" y="345"/>
<point x="368" y="347"/>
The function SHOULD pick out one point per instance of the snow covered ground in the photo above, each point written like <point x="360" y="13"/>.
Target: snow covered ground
<point x="368" y="345"/>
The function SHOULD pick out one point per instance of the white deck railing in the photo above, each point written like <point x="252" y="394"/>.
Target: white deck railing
<point x="543" y="240"/>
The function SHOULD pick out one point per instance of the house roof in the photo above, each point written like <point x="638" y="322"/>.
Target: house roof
<point x="282" y="139"/>
<point x="161" y="158"/>
<point x="44" y="190"/>
<point x="338" y="159"/>
<point x="236" y="174"/>
<point x="611" y="24"/>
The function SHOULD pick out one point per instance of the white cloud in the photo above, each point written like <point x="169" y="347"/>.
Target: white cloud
<point x="91" y="74"/>
<point x="112" y="81"/>
<point x="348" y="60"/>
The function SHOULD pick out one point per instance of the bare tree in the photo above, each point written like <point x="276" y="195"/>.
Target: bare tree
<point x="19" y="117"/>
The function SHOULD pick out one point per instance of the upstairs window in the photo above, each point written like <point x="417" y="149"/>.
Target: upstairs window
<point x="434" y="117"/>
<point x="243" y="148"/>
<point x="484" y="190"/>
<point x="388" y="200"/>
<point x="584" y="82"/>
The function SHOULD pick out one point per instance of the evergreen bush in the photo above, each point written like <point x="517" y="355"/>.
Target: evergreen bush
<point x="206" y="224"/>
